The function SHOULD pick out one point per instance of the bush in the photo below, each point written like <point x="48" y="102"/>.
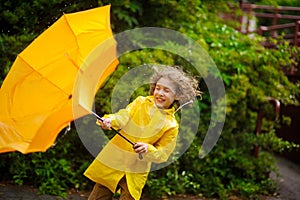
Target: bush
<point x="53" y="172"/>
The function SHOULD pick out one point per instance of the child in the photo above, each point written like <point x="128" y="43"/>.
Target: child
<point x="151" y="124"/>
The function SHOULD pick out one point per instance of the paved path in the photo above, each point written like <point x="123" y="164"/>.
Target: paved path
<point x="289" y="185"/>
<point x="13" y="192"/>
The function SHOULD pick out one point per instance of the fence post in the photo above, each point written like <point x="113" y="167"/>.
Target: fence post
<point x="260" y="116"/>
<point x="296" y="33"/>
<point x="274" y="33"/>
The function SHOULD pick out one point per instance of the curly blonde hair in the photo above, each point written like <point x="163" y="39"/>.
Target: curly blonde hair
<point x="187" y="85"/>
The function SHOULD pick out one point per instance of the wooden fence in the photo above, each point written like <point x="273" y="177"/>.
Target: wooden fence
<point x="280" y="20"/>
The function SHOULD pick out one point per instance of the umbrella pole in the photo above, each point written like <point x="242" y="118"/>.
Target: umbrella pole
<point x="117" y="132"/>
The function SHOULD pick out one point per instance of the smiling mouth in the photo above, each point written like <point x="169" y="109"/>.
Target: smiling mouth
<point x="159" y="100"/>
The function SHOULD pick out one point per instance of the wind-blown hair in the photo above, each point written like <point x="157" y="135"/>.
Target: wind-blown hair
<point x="187" y="85"/>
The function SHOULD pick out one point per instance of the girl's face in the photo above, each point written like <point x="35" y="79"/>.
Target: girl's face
<point x="164" y="93"/>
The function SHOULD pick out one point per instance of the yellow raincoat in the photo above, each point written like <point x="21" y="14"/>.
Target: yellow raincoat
<point x="141" y="121"/>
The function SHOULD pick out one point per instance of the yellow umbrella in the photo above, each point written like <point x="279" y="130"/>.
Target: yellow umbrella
<point x="36" y="96"/>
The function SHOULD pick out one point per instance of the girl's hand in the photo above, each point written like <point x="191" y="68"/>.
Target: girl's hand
<point x="140" y="147"/>
<point x="105" y="124"/>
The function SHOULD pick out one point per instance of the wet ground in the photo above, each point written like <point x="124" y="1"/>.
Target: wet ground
<point x="289" y="184"/>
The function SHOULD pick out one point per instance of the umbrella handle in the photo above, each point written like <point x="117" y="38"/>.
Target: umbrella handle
<point x="117" y="132"/>
<point x="140" y="156"/>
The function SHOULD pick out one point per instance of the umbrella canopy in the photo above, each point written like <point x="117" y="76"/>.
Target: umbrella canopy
<point x="36" y="96"/>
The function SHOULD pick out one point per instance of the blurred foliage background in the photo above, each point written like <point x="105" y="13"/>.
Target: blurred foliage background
<point x="250" y="72"/>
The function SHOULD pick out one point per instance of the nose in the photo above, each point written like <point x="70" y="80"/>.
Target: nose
<point x="160" y="92"/>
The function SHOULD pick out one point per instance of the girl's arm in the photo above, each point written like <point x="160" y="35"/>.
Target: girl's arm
<point x="105" y="123"/>
<point x="121" y="118"/>
<point x="162" y="149"/>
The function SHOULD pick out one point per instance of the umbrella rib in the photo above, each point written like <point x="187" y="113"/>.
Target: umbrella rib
<point x="74" y="36"/>
<point x="40" y="74"/>
<point x="73" y="62"/>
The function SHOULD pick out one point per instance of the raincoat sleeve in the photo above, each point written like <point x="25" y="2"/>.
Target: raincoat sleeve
<point x="162" y="149"/>
<point x="121" y="118"/>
